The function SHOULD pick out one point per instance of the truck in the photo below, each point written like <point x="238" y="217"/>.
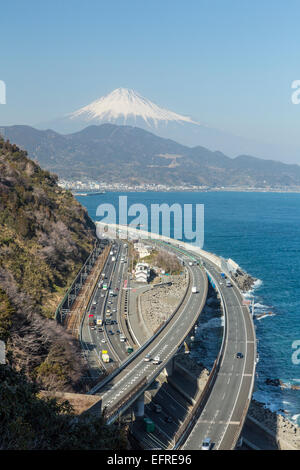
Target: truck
<point x="105" y="356"/>
<point x="150" y="426"/>
<point x="111" y="293"/>
<point x="104" y="287"/>
<point x="194" y="290"/>
<point x="98" y="320"/>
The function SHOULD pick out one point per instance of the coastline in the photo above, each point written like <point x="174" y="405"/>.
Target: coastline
<point x="191" y="190"/>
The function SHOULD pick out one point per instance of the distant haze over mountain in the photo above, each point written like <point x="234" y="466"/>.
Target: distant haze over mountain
<point x="127" y="107"/>
<point x="126" y="154"/>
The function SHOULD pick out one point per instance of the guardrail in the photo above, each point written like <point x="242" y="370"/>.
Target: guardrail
<point x="181" y="434"/>
<point x="114" y="409"/>
<point x="245" y="411"/>
<point x="200" y="403"/>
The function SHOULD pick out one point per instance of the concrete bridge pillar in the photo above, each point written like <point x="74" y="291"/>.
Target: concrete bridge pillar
<point x="169" y="369"/>
<point x="139" y="407"/>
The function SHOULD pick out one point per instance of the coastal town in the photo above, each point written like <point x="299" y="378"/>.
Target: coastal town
<point x="90" y="186"/>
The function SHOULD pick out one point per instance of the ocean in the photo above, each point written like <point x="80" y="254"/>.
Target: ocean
<point x="260" y="232"/>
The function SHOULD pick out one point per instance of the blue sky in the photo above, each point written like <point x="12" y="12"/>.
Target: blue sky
<point x="226" y="63"/>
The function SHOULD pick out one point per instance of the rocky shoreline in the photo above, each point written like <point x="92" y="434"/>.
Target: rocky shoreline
<point x="285" y="434"/>
<point x="244" y="281"/>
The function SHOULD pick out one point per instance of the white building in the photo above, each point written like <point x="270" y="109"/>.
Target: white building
<point x="142" y="272"/>
<point x="142" y="249"/>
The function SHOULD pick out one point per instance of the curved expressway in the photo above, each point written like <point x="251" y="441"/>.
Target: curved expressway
<point x="226" y="405"/>
<point x="134" y="376"/>
<point x="223" y="415"/>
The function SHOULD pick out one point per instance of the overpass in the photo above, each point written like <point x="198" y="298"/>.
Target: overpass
<point x="123" y="386"/>
<point x="224" y="405"/>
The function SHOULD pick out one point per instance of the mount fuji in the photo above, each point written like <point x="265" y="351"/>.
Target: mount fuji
<point x="123" y="106"/>
<point x="127" y="107"/>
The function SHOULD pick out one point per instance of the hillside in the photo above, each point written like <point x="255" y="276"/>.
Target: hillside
<point x="45" y="237"/>
<point x="126" y="154"/>
<point x="29" y="422"/>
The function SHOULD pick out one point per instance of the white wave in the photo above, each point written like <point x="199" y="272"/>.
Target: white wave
<point x="269" y="402"/>
<point x="256" y="285"/>
<point x="265" y="316"/>
<point x="261" y="306"/>
<point x="296" y="419"/>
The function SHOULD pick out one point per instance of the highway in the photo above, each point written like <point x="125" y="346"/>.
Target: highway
<point x="226" y="406"/>
<point x="106" y="337"/>
<point x="164" y="345"/>
<point x="222" y="417"/>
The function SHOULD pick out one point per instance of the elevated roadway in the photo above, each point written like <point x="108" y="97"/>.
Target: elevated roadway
<point x="225" y="405"/>
<point x="134" y="376"/>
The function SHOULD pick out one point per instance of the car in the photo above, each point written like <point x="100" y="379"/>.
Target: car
<point x="102" y="295"/>
<point x="94" y="302"/>
<point x="122" y="340"/>
<point x="156" y="360"/>
<point x="147" y="357"/>
<point x="168" y="419"/>
<point x="206" y="444"/>
<point x="118" y="332"/>
<point x="100" y="329"/>
<point x="103" y="340"/>
<point x="239" y="355"/>
<point x="111" y="332"/>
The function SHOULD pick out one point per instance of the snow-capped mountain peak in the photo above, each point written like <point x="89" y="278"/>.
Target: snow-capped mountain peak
<point x="124" y="104"/>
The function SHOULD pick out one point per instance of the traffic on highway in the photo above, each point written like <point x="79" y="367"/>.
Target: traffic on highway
<point x="133" y="369"/>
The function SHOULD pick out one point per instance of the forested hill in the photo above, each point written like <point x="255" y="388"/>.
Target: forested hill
<point x="45" y="236"/>
<point x="125" y="154"/>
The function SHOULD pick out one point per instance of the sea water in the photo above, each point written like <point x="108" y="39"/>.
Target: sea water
<point x="260" y="232"/>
